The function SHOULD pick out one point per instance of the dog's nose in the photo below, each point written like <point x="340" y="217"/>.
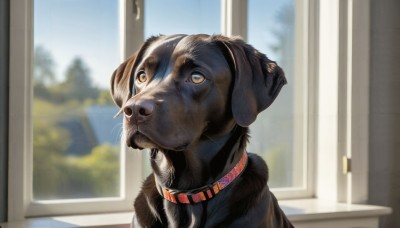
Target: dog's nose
<point x="139" y="111"/>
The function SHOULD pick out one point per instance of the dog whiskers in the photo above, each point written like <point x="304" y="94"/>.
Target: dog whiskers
<point x="119" y="129"/>
<point x="118" y="113"/>
<point x="212" y="140"/>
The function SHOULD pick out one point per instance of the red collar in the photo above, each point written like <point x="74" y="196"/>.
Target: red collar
<point x="206" y="192"/>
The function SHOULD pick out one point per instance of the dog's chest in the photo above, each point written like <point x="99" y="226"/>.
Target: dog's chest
<point x="205" y="214"/>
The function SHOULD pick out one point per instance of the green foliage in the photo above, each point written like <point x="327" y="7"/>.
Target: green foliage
<point x="278" y="163"/>
<point x="94" y="175"/>
<point x="105" y="98"/>
<point x="43" y="73"/>
<point x="57" y="175"/>
<point x="78" y="84"/>
<point x="102" y="167"/>
<point x="48" y="136"/>
<point x="49" y="144"/>
<point x="62" y="177"/>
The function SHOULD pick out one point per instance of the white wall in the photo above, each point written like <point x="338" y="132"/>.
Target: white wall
<point x="4" y="33"/>
<point x="384" y="144"/>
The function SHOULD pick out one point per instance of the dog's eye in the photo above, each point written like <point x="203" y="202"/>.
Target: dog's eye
<point x="141" y="77"/>
<point x="197" y="78"/>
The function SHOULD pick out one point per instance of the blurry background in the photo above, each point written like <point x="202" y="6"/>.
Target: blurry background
<point x="76" y="48"/>
<point x="76" y="140"/>
<point x="75" y="137"/>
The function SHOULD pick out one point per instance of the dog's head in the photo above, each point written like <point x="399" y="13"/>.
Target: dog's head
<point x="177" y="89"/>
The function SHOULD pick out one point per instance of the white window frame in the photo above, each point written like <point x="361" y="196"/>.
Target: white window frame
<point x="20" y="204"/>
<point x="343" y="100"/>
<point x="342" y="126"/>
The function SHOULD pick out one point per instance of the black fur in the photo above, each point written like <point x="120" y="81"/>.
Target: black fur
<point x="197" y="132"/>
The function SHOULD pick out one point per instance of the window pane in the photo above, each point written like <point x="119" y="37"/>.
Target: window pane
<point x="75" y="138"/>
<point x="272" y="31"/>
<point x="181" y="17"/>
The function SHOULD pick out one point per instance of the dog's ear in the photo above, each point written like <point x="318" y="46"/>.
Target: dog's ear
<point x="122" y="79"/>
<point x="121" y="83"/>
<point x="257" y="81"/>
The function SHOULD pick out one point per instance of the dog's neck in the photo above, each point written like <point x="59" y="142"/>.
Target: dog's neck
<point x="200" y="164"/>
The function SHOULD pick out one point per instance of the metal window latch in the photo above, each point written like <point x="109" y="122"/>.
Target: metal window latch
<point x="346" y="165"/>
<point x="136" y="9"/>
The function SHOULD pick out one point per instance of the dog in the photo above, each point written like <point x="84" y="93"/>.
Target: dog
<point x="189" y="99"/>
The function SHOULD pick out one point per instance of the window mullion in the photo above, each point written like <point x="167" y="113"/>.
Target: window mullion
<point x="132" y="22"/>
<point x="327" y="111"/>
<point x="20" y="129"/>
<point x="234" y="18"/>
<point x="359" y="113"/>
<point x="343" y="100"/>
<point x="132" y="14"/>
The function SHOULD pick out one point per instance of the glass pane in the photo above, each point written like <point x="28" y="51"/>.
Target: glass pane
<point x="75" y="138"/>
<point x="181" y="17"/>
<point x="169" y="17"/>
<point x="272" y="31"/>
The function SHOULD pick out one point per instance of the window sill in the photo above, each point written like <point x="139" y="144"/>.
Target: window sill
<point x="313" y="213"/>
<point x="300" y="212"/>
<point x="120" y="220"/>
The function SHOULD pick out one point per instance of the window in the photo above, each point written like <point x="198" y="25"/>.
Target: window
<point x="199" y="17"/>
<point x="280" y="133"/>
<point x="70" y="159"/>
<point x="56" y="70"/>
<point x="76" y="150"/>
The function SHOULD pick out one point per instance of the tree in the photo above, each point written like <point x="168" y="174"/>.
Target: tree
<point x="57" y="175"/>
<point x="105" y="98"/>
<point x="78" y="84"/>
<point x="102" y="166"/>
<point x="43" y="67"/>
<point x="43" y="72"/>
<point x="284" y="31"/>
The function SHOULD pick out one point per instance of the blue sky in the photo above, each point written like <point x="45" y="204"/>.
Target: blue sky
<point x="182" y="16"/>
<point x="89" y="29"/>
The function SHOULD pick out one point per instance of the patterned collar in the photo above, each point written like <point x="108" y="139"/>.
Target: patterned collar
<point x="204" y="193"/>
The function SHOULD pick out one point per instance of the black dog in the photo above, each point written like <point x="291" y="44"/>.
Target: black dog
<point x="190" y="99"/>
